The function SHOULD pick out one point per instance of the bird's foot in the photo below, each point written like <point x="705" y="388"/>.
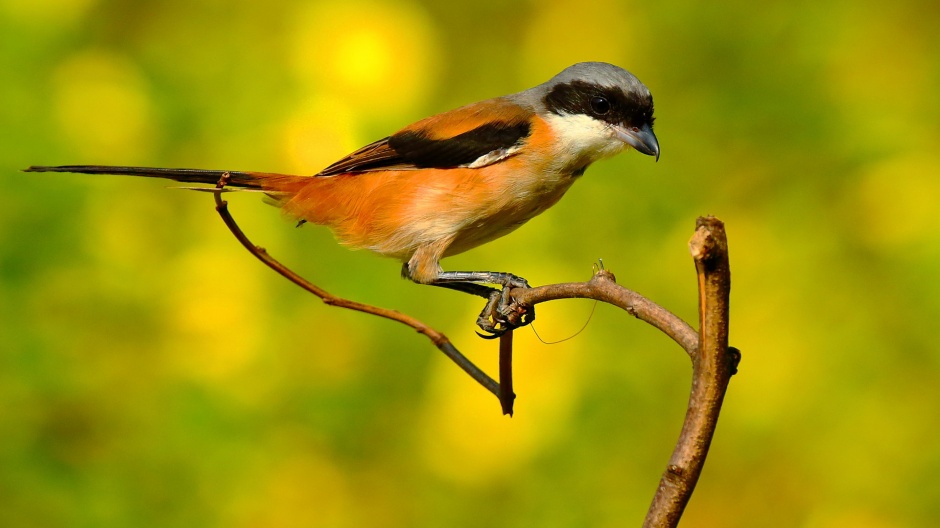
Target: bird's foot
<point x="502" y="313"/>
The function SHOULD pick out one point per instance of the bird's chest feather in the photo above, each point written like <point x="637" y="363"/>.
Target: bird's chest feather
<point x="503" y="200"/>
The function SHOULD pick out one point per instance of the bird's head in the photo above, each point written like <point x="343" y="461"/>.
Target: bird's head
<point x="596" y="110"/>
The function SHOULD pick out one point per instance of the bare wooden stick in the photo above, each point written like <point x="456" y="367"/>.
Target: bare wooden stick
<point x="713" y="364"/>
<point x="603" y="287"/>
<point x="506" y="394"/>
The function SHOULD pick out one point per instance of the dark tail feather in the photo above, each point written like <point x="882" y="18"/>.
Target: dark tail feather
<point x="244" y="180"/>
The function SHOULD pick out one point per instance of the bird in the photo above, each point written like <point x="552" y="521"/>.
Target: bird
<point x="453" y="181"/>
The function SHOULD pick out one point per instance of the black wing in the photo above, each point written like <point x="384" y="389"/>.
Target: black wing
<point x="415" y="149"/>
<point x="374" y="156"/>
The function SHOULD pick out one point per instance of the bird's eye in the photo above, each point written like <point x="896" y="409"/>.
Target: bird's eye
<point x="600" y="105"/>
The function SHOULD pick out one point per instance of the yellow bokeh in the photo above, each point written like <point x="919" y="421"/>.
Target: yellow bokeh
<point x="832" y="517"/>
<point x="896" y="201"/>
<point x="303" y="490"/>
<point x="103" y="107"/>
<point x="210" y="312"/>
<point x="322" y="131"/>
<point x="869" y="63"/>
<point x="155" y="373"/>
<point x="46" y="11"/>
<point x="379" y="57"/>
<point x="553" y="40"/>
<point x="458" y="410"/>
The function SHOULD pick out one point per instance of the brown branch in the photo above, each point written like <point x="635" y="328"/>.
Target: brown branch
<point x="439" y="339"/>
<point x="506" y="395"/>
<point x="603" y="287"/>
<point x="713" y="364"/>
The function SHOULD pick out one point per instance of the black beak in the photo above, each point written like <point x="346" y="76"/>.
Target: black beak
<point x="640" y="138"/>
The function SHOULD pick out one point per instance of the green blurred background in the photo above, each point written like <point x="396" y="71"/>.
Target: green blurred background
<point x="154" y="374"/>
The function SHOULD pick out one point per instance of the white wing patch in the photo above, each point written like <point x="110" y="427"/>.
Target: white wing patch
<point x="493" y="156"/>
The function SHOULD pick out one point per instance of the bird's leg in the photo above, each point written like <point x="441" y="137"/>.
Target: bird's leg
<point x="500" y="314"/>
<point x="483" y="277"/>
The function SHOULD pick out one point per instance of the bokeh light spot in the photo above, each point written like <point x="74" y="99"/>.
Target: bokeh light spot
<point x="321" y="132"/>
<point x="377" y="56"/>
<point x="363" y="58"/>
<point x="209" y="312"/>
<point x="102" y="107"/>
<point x="457" y="410"/>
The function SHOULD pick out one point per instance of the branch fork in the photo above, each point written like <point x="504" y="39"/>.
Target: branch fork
<point x="713" y="362"/>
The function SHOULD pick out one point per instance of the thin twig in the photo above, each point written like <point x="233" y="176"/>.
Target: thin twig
<point x="439" y="339"/>
<point x="506" y="395"/>
<point x="603" y="287"/>
<point x="713" y="364"/>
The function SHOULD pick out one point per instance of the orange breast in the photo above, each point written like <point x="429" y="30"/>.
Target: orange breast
<point x="396" y="212"/>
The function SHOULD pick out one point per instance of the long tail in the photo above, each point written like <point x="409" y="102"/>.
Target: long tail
<point x="239" y="179"/>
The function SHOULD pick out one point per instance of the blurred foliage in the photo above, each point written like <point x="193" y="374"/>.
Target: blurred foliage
<point x="153" y="374"/>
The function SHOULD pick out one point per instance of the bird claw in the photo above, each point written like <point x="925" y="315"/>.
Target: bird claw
<point x="502" y="314"/>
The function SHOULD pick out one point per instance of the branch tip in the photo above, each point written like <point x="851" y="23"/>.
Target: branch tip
<point x="604" y="275"/>
<point x="709" y="240"/>
<point x="713" y="363"/>
<point x="506" y="395"/>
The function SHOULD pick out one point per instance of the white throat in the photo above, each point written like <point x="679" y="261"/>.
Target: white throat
<point x="582" y="140"/>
